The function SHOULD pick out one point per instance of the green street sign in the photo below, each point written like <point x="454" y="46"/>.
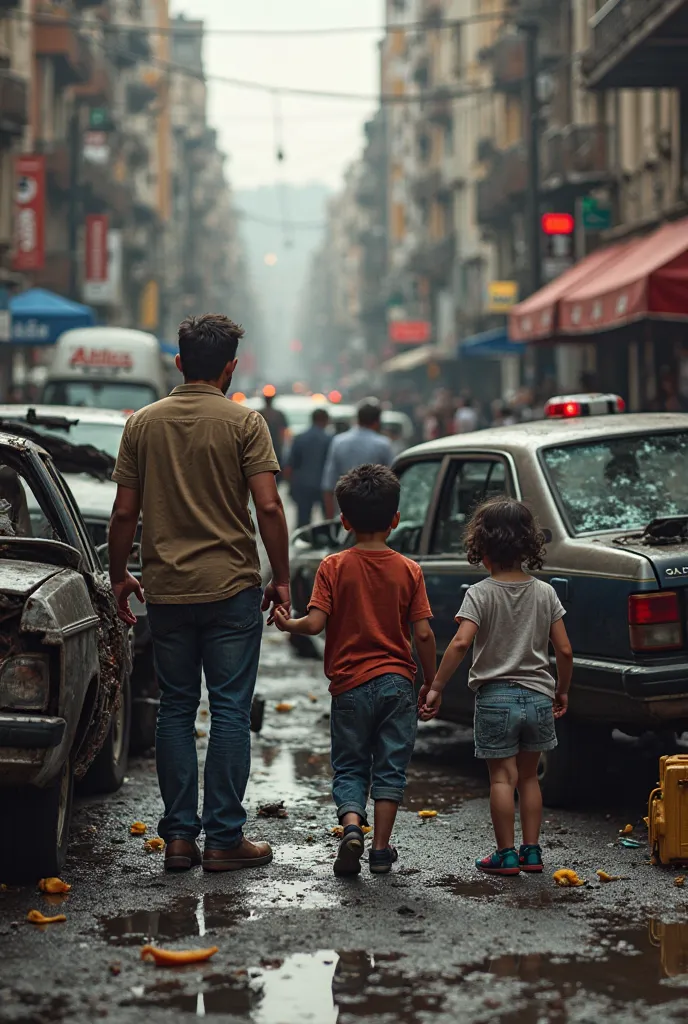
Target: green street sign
<point x="98" y="118"/>
<point x="596" y="216"/>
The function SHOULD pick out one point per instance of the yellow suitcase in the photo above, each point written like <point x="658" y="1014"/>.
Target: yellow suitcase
<point x="668" y="811"/>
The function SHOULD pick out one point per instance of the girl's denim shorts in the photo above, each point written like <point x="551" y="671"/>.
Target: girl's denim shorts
<point x="510" y="718"/>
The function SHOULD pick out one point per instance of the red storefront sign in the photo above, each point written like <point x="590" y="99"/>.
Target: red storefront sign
<point x="409" y="332"/>
<point x="29" y="211"/>
<point x="96" y="248"/>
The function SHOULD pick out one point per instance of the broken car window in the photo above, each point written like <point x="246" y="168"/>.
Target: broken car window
<point x="620" y="484"/>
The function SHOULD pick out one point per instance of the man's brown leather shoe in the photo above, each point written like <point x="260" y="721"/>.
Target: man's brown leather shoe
<point x="180" y="855"/>
<point x="245" y="855"/>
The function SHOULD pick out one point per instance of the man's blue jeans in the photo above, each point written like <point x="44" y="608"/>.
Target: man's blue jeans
<point x="222" y="638"/>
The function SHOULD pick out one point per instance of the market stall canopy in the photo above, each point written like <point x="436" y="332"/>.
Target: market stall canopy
<point x="649" y="278"/>
<point x="413" y="359"/>
<point x="490" y="345"/>
<point x="537" y="317"/>
<point x="39" y="317"/>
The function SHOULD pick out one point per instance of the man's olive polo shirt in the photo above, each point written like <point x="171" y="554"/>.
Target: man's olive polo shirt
<point x="190" y="456"/>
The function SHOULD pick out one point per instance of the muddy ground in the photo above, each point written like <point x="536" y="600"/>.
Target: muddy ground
<point x="432" y="942"/>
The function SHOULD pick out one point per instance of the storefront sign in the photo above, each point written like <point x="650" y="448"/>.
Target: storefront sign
<point x="596" y="216"/>
<point x="410" y="332"/>
<point x="96" y="148"/>
<point x="29" y="199"/>
<point x="95" y="252"/>
<point x="83" y="358"/>
<point x="501" y="296"/>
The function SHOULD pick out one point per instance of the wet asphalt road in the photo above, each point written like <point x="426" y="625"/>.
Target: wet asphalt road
<point x="432" y="942"/>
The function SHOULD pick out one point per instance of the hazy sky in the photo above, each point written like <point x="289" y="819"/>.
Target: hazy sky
<point x="320" y="136"/>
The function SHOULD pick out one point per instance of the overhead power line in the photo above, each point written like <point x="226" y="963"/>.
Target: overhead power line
<point x="176" y="28"/>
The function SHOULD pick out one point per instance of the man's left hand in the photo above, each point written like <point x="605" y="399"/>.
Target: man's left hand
<point x="123" y="591"/>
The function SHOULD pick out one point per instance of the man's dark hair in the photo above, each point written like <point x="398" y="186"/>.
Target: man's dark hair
<point x="206" y="344"/>
<point x="369" y="413"/>
<point x="505" y="531"/>
<point x="369" y="498"/>
<point x="320" y="417"/>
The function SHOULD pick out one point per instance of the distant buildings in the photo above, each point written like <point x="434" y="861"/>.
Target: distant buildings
<point x="109" y="99"/>
<point x="429" y="243"/>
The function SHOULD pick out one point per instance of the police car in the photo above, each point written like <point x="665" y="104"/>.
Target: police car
<point x="611" y="493"/>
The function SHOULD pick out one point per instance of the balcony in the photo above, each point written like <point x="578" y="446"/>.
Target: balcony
<point x="428" y="182"/>
<point x="69" y="50"/>
<point x="509" y="63"/>
<point x="638" y="44"/>
<point x="575" y="157"/>
<point x="127" y="47"/>
<point x="14" y="103"/>
<point x="431" y="12"/>
<point x="434" y="258"/>
<point x="437" y="106"/>
<point x="503" y="190"/>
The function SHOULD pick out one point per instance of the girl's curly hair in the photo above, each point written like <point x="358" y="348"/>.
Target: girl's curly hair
<point x="506" y="532"/>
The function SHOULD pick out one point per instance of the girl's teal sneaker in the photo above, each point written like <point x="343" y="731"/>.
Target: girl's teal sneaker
<point x="501" y="862"/>
<point x="530" y="859"/>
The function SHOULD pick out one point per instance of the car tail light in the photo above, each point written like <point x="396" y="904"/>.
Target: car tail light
<point x="620" y="404"/>
<point x="654" y="621"/>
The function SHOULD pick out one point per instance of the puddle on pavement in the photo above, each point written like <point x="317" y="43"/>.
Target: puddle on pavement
<point x="473" y="890"/>
<point x="635" y="965"/>
<point x="440" y="790"/>
<point x="279" y="773"/>
<point x="299" y="894"/>
<point x="190" y="916"/>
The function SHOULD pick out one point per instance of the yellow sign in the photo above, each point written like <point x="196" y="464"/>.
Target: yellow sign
<point x="149" y="313"/>
<point x="501" y="296"/>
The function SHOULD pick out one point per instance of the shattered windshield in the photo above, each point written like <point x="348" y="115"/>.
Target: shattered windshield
<point x="620" y="484"/>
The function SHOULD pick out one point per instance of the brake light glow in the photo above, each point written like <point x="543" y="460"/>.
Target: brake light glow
<point x="654" y="621"/>
<point x="620" y="404"/>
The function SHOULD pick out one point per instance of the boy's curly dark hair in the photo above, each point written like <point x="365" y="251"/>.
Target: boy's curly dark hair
<point x="505" y="531"/>
<point x="369" y="498"/>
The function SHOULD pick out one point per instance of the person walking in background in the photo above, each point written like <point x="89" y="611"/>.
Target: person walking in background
<point x="358" y="446"/>
<point x="189" y="463"/>
<point x="370" y="598"/>
<point x="306" y="464"/>
<point x="466" y="418"/>
<point x="277" y="425"/>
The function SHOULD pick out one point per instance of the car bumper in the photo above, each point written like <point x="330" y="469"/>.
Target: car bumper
<point x="650" y="695"/>
<point x="28" y="747"/>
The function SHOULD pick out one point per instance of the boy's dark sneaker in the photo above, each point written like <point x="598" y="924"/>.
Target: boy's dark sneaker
<point x="501" y="862"/>
<point x="530" y="858"/>
<point x="380" y="861"/>
<point x="350" y="851"/>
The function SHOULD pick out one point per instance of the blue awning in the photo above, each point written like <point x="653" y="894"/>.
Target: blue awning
<point x="490" y="345"/>
<point x="168" y="348"/>
<point x="39" y="317"/>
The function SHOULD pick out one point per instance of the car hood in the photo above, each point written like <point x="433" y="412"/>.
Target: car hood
<point x="19" y="579"/>
<point x="94" y="498"/>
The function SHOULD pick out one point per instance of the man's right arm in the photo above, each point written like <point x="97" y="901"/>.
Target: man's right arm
<point x="272" y="524"/>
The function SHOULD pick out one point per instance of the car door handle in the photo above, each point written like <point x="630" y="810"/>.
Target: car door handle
<point x="561" y="587"/>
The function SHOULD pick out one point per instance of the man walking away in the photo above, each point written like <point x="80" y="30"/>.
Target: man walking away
<point x="277" y="425"/>
<point x="307" y="461"/>
<point x="361" y="445"/>
<point x="188" y="463"/>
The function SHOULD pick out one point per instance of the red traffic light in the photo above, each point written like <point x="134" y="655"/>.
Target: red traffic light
<point x="558" y="223"/>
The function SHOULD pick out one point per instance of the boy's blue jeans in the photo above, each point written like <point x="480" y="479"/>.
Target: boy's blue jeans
<point x="222" y="638"/>
<point x="373" y="730"/>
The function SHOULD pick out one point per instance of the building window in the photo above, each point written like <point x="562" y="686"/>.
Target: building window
<point x="459" y="66"/>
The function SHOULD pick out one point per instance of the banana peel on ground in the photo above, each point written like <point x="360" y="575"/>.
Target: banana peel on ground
<point x="567" y="878"/>
<point x="35" y="917"/>
<point x="283" y="707"/>
<point x="139" y="828"/>
<point x="154" y="845"/>
<point x="53" y="885"/>
<point x="427" y="813"/>
<point x="605" y="877"/>
<point x="177" y="957"/>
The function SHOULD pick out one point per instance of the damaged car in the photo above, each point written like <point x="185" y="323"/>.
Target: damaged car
<point x="65" y="656"/>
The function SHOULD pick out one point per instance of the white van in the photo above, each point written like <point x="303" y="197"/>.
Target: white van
<point x="106" y="368"/>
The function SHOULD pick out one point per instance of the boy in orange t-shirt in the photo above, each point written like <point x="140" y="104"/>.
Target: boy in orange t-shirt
<point x="369" y="597"/>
